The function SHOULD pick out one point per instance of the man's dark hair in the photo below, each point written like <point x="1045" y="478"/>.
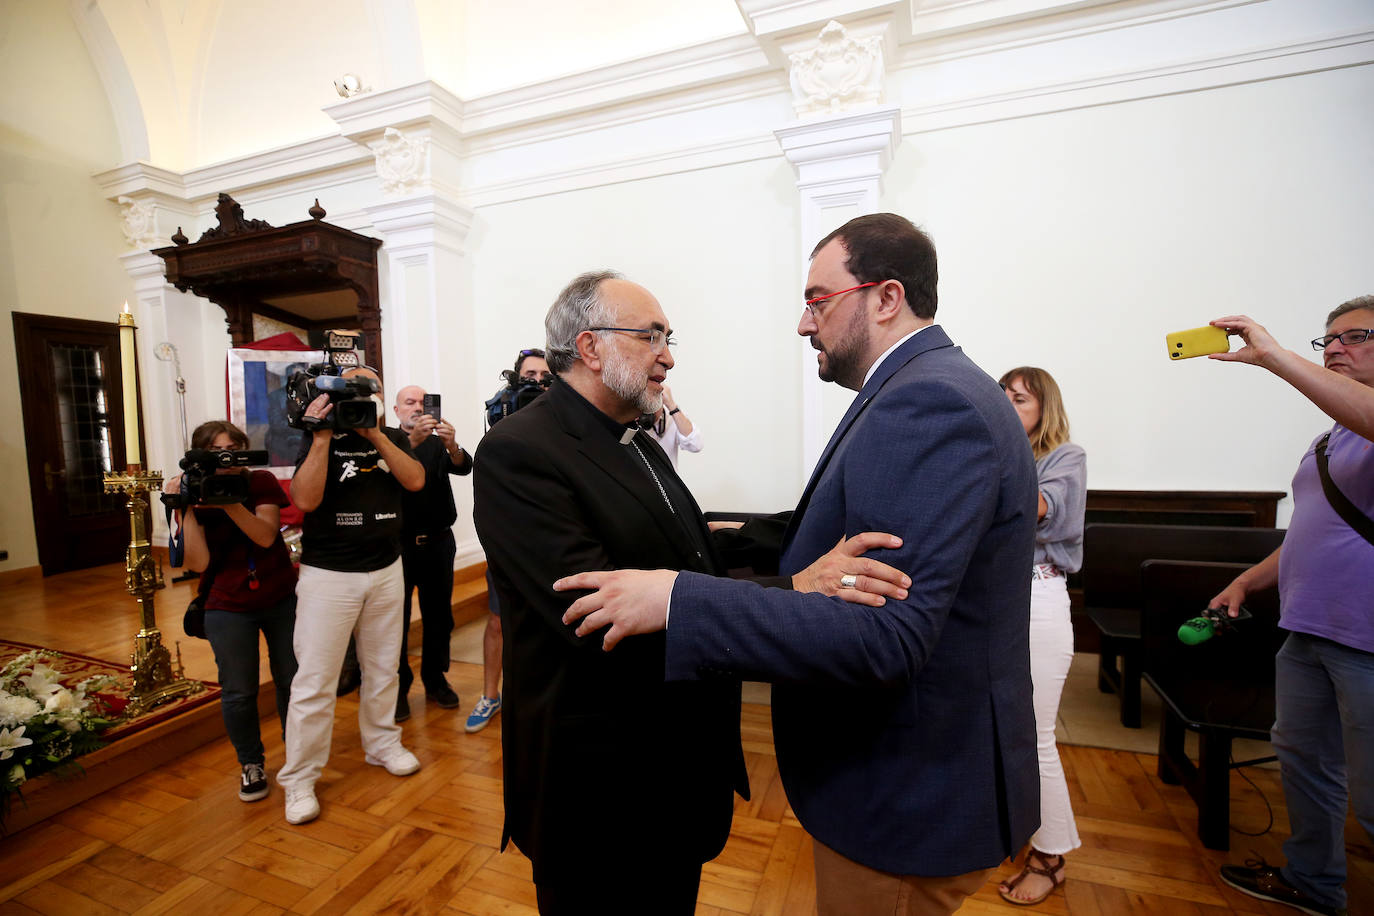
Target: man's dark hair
<point x="885" y="246"/>
<point x="526" y="354"/>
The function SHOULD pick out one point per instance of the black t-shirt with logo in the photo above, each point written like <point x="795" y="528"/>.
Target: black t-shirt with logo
<point x="431" y="510"/>
<point x="357" y="527"/>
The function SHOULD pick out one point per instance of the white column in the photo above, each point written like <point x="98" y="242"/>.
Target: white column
<point x="168" y="317"/>
<point x="415" y="133"/>
<point x="840" y="163"/>
<point x="427" y="322"/>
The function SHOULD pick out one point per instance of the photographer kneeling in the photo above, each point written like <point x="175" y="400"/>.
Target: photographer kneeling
<point x="238" y="546"/>
<point x="349" y="484"/>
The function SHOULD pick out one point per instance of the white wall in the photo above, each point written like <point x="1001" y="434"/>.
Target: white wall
<point x="718" y="249"/>
<point x="59" y="240"/>
<point x="1075" y="241"/>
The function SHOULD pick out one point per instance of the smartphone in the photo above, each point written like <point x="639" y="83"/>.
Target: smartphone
<point x="431" y="406"/>
<point x="1197" y="342"/>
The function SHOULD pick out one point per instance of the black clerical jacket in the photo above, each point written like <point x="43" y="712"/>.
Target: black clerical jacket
<point x="602" y="757"/>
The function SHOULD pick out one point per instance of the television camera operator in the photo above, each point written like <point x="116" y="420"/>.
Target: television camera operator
<point x="349" y="482"/>
<point x="230" y="522"/>
<point x="529" y="378"/>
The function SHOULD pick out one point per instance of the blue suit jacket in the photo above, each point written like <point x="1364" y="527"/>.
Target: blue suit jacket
<point x="905" y="734"/>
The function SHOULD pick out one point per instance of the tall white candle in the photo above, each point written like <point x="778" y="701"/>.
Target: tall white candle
<point x="126" y="361"/>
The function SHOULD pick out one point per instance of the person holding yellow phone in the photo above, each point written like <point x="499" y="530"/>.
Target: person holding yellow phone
<point x="1323" y="731"/>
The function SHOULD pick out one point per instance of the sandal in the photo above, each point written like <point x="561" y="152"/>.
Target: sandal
<point x="1054" y="872"/>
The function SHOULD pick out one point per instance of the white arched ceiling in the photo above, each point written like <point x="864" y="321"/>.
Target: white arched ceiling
<point x="272" y="67"/>
<point x="118" y="83"/>
<point x="194" y="82"/>
<point x="161" y="45"/>
<point x="439" y="30"/>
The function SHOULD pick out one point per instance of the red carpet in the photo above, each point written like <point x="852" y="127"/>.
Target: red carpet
<point x="75" y="668"/>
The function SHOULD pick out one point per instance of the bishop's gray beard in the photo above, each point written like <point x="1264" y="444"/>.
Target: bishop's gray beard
<point x="626" y="383"/>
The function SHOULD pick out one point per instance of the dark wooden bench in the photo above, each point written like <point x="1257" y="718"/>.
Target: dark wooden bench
<point x="1112" y="556"/>
<point x="1222" y="689"/>
<point x="1232" y="508"/>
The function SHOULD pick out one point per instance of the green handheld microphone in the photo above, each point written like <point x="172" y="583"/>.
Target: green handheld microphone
<point x="1198" y="630"/>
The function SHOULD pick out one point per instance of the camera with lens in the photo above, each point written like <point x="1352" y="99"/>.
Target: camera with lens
<point x="518" y="393"/>
<point x="351" y="397"/>
<point x="201" y="486"/>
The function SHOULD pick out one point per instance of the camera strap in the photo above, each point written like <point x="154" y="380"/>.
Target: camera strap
<point x="176" y="543"/>
<point x="1347" y="510"/>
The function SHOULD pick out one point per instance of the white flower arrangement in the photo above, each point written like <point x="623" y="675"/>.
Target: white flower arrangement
<point x="44" y="724"/>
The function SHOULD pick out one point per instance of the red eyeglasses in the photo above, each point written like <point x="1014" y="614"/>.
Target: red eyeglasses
<point x="811" y="303"/>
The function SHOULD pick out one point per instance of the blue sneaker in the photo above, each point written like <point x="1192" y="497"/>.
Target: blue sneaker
<point x="482" y="713"/>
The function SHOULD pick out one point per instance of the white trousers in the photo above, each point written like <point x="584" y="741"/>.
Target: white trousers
<point x="331" y="605"/>
<point x="1051" y="653"/>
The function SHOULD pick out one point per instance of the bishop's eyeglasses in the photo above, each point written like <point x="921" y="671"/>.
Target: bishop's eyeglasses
<point x="656" y="338"/>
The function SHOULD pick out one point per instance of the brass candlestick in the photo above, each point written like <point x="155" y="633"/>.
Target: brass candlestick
<point x="155" y="680"/>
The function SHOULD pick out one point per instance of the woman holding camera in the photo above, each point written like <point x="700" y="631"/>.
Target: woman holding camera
<point x="1061" y="475"/>
<point x="252" y="590"/>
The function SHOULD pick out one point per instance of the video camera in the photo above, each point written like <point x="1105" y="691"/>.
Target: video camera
<point x="351" y="397"/>
<point x="201" y="486"/>
<point x="518" y="393"/>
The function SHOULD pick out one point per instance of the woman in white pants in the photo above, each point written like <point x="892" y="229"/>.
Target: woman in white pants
<point x="1061" y="474"/>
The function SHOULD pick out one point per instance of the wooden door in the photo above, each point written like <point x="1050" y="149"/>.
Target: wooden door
<point x="69" y="372"/>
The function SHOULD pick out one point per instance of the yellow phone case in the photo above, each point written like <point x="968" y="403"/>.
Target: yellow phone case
<point x="1197" y="342"/>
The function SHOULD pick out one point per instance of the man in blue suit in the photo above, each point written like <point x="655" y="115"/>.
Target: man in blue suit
<point x="933" y="779"/>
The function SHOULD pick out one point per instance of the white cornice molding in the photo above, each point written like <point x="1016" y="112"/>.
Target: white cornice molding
<point x="364" y="118"/>
<point x="843" y="148"/>
<point x="670" y="72"/>
<point x="733" y="151"/>
<point x="996" y="36"/>
<point x="1276" y="62"/>
<point x="553" y="131"/>
<point x="324" y="156"/>
<point x="771" y="18"/>
<point x="664" y="105"/>
<point x="925" y="20"/>
<point x="940" y="18"/>
<point x="302" y="163"/>
<point x="140" y="177"/>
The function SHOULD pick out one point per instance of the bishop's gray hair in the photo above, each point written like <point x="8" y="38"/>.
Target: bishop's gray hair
<point x="1359" y="302"/>
<point x="578" y="308"/>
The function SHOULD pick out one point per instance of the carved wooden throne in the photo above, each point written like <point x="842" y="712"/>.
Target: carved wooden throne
<point x="310" y="275"/>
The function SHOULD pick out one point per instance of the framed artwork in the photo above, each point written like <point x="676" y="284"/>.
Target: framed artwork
<point x="257" y="402"/>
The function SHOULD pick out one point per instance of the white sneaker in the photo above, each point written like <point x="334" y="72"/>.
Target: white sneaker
<point x="301" y="805"/>
<point x="397" y="760"/>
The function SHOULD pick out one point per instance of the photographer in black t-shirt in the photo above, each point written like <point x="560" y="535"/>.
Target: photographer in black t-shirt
<point x="349" y="484"/>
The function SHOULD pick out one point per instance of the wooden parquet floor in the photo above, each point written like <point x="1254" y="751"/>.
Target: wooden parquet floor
<point x="177" y="840"/>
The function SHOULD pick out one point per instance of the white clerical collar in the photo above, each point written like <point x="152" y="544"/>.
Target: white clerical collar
<point x="888" y="352"/>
